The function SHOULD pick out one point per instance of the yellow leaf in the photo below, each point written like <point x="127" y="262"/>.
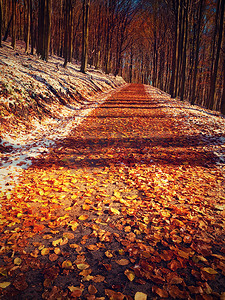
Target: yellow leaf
<point x="209" y="270"/>
<point x="45" y="251"/>
<point x="114" y="211"/>
<point x="83" y="217"/>
<point x="4" y="284"/>
<point x="86" y="207"/>
<point x="130" y="274"/>
<point x="117" y="194"/>
<point x="74" y="288"/>
<point x="73" y="225"/>
<point x="140" y="296"/>
<point x="67" y="264"/>
<point x="82" y="266"/>
<point x="61" y="242"/>
<point x="17" y="261"/>
<point x="57" y="250"/>
<point x="68" y="208"/>
<point x="109" y="254"/>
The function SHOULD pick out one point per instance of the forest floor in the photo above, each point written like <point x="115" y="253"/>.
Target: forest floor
<point x="130" y="205"/>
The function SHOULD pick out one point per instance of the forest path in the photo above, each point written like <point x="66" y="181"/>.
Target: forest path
<point x="130" y="204"/>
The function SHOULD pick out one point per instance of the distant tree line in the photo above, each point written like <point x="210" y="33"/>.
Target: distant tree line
<point x="177" y="45"/>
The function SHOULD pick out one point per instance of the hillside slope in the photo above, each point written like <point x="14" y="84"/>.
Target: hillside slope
<point x="41" y="101"/>
<point x="33" y="90"/>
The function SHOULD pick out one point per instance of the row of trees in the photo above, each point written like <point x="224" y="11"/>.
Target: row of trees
<point x="177" y="46"/>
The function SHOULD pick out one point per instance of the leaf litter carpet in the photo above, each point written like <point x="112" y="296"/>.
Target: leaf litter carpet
<point x="129" y="206"/>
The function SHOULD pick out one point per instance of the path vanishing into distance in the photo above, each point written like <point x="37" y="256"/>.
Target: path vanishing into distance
<point x="130" y="205"/>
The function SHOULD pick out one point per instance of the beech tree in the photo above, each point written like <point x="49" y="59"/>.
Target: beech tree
<point x="174" y="45"/>
<point x="44" y="28"/>
<point x="84" y="55"/>
<point x="1" y="22"/>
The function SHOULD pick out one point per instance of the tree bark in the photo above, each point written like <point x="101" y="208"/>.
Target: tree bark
<point x="84" y="56"/>
<point x="215" y="69"/>
<point x="1" y="23"/>
<point x="28" y="26"/>
<point x="13" y="43"/>
<point x="197" y="53"/>
<point x="222" y="109"/>
<point x="175" y="7"/>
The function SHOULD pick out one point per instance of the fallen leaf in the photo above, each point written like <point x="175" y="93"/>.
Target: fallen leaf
<point x="92" y="247"/>
<point x="45" y="251"/>
<point x="92" y="289"/>
<point x="57" y="250"/>
<point x="73" y="225"/>
<point x="114" y="211"/>
<point x="53" y="257"/>
<point x="98" y="278"/>
<point x="140" y="296"/>
<point x="83" y="217"/>
<point x="68" y="235"/>
<point x="82" y="266"/>
<point x="5" y="284"/>
<point x="108" y="253"/>
<point x="67" y="264"/>
<point x="130" y="274"/>
<point x="17" y="261"/>
<point x="209" y="270"/>
<point x="123" y="262"/>
<point x="162" y="293"/>
<point x="114" y="295"/>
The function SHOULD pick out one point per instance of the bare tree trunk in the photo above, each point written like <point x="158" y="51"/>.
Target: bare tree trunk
<point x="222" y="109"/>
<point x="48" y="17"/>
<point x="28" y="26"/>
<point x="84" y="57"/>
<point x="31" y="28"/>
<point x="215" y="70"/>
<point x="40" y="45"/>
<point x="172" y="82"/>
<point x="1" y="22"/>
<point x="13" y="43"/>
<point x="197" y="53"/>
<point x="131" y="65"/>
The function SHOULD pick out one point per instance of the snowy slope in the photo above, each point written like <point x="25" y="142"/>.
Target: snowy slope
<point x="50" y="99"/>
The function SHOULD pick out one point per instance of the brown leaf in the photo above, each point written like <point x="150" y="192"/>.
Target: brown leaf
<point x="92" y="289"/>
<point x="175" y="292"/>
<point x="123" y="262"/>
<point x="195" y="289"/>
<point x="114" y="295"/>
<point x="162" y="293"/>
<point x="53" y="257"/>
<point x="68" y="235"/>
<point x="98" y="278"/>
<point x="20" y="282"/>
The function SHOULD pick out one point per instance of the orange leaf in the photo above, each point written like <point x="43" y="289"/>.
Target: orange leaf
<point x="122" y="262"/>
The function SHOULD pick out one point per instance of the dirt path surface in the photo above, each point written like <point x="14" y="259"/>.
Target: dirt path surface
<point x="129" y="206"/>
